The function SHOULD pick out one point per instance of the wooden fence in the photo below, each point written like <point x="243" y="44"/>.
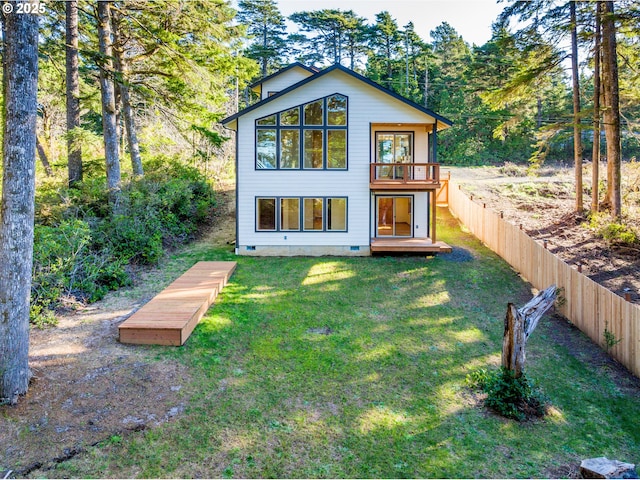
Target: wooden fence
<point x="588" y="305"/>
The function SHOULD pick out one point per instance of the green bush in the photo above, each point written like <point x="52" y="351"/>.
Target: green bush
<point x="64" y="265"/>
<point x="614" y="233"/>
<point x="507" y="395"/>
<point x="617" y="233"/>
<point x="135" y="239"/>
<point x="160" y="210"/>
<point x="83" y="244"/>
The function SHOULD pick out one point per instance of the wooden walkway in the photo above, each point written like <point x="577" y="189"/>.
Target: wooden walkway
<point x="170" y="317"/>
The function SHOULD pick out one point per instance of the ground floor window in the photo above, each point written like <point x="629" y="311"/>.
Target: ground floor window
<point x="337" y="214"/>
<point x="314" y="214"/>
<point x="290" y="214"/>
<point x="266" y="214"/>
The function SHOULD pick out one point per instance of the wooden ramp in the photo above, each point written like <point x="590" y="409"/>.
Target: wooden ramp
<point x="170" y="317"/>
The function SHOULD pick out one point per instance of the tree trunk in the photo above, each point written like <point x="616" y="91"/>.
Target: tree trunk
<point x="127" y="112"/>
<point x="20" y="72"/>
<point x="518" y="325"/>
<point x="265" y="60"/>
<point x="595" y="164"/>
<point x="74" y="152"/>
<point x="109" y="125"/>
<point x="577" y="140"/>
<point x="539" y="112"/>
<point x="611" y="110"/>
<point x="43" y="158"/>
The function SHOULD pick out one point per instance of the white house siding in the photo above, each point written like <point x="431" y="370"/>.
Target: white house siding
<point x="366" y="105"/>
<point x="284" y="80"/>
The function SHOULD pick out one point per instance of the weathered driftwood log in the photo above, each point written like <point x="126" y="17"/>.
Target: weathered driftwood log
<point x="602" y="467"/>
<point x="518" y="325"/>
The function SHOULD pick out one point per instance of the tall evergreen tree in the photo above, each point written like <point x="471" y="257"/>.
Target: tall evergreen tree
<point x="354" y="37"/>
<point x="577" y="132"/>
<point x="107" y="91"/>
<point x="183" y="64"/>
<point x="611" y="114"/>
<point x="450" y="95"/>
<point x="595" y="164"/>
<point x="556" y="20"/>
<point x="385" y="43"/>
<point x="122" y="86"/>
<point x="416" y="53"/>
<point x="267" y="25"/>
<point x="331" y="35"/>
<point x="74" y="150"/>
<point x="20" y="81"/>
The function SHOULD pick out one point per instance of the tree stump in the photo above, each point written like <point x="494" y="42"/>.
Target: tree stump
<point x="518" y="325"/>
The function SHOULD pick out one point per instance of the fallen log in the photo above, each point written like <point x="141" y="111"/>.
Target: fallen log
<point x="518" y="325"/>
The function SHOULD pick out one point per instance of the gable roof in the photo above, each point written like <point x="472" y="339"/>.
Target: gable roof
<point x="439" y="118"/>
<point x="311" y="70"/>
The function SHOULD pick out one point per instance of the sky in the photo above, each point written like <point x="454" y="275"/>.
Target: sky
<point x="471" y="18"/>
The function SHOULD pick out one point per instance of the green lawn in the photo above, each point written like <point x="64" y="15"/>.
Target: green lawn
<point x="355" y="367"/>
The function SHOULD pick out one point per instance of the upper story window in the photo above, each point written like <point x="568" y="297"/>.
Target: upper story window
<point x="314" y="113"/>
<point x="312" y="136"/>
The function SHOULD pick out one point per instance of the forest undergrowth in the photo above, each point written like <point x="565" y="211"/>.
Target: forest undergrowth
<point x="86" y="246"/>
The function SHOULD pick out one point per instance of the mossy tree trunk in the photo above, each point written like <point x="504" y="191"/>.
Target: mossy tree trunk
<point x="20" y="73"/>
<point x="611" y="108"/>
<point x="122" y="85"/>
<point x="74" y="151"/>
<point x="108" y="96"/>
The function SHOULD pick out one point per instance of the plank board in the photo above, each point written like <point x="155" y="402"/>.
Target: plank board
<point x="170" y="317"/>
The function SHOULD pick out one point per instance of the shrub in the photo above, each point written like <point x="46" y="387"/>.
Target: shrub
<point x="134" y="238"/>
<point x="511" y="169"/>
<point x="82" y="247"/>
<point x="65" y="266"/>
<point x="160" y="210"/>
<point x="614" y="233"/>
<point x="507" y="395"/>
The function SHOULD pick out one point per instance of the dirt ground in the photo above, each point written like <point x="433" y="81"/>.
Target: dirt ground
<point x="87" y="387"/>
<point x="544" y="206"/>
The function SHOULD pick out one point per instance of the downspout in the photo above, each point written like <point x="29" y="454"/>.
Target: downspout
<point x="237" y="247"/>
<point x="434" y="159"/>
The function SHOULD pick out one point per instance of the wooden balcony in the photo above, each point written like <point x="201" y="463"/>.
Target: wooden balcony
<point x="404" y="176"/>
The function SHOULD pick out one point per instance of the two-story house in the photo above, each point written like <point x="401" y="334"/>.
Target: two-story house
<point x="330" y="163"/>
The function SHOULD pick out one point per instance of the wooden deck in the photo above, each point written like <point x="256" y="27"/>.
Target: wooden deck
<point x="408" y="245"/>
<point x="170" y="317"/>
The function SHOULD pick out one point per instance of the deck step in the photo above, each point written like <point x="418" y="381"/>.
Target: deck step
<point x="170" y="317"/>
<point x="408" y="245"/>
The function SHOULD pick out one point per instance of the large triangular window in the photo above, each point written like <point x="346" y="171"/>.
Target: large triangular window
<point x="312" y="136"/>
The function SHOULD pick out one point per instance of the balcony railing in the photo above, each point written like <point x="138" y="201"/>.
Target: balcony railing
<point x="404" y="175"/>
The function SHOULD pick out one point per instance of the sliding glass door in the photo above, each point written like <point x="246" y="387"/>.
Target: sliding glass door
<point x="394" y="216"/>
<point x="393" y="147"/>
